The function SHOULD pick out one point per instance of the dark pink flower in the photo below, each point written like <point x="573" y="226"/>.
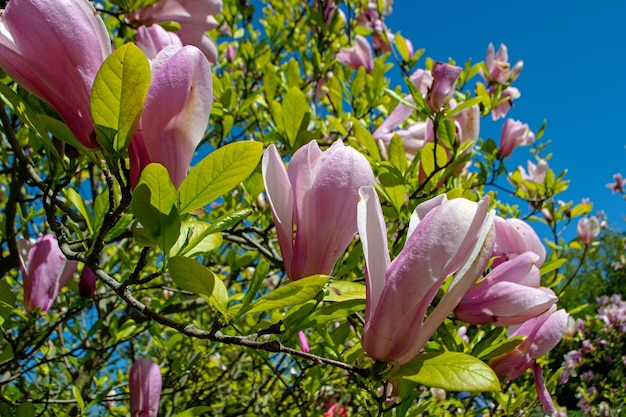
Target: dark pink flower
<point x="145" y="388"/>
<point x="54" y="48"/>
<point x="45" y="270"/>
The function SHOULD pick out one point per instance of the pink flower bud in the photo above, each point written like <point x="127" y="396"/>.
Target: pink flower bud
<point x="444" y="80"/>
<point x="498" y="65"/>
<point x="304" y="343"/>
<point x="359" y="55"/>
<point x="617" y="186"/>
<point x="317" y="197"/>
<point x="444" y="238"/>
<point x="542" y="333"/>
<point x="175" y="113"/>
<point x="514" y="134"/>
<point x="506" y="101"/>
<point x="509" y="294"/>
<point x="194" y="16"/>
<point x="513" y="238"/>
<point x="536" y="172"/>
<point x="45" y="270"/>
<point x="35" y="34"/>
<point x="151" y="40"/>
<point x="588" y="228"/>
<point x="87" y="283"/>
<point x="145" y="388"/>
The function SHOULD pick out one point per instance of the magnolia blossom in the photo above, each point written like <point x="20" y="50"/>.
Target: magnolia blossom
<point x="145" y="388"/>
<point x="45" y="270"/>
<point x="588" y="228"/>
<point x="359" y="55"/>
<point x="498" y="67"/>
<point x="194" y="16"/>
<point x="54" y="48"/>
<point x="514" y="134"/>
<point x="536" y="172"/>
<point x="444" y="238"/>
<point x="506" y="101"/>
<point x="175" y="113"/>
<point x="509" y="294"/>
<point x="151" y="40"/>
<point x="542" y="333"/>
<point x="444" y="81"/>
<point x="304" y="342"/>
<point x="515" y="237"/>
<point x="617" y="186"/>
<point x="314" y="204"/>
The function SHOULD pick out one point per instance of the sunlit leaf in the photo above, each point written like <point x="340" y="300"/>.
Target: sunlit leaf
<point x="219" y="172"/>
<point x="294" y="293"/>
<point x="117" y="96"/>
<point x="452" y="371"/>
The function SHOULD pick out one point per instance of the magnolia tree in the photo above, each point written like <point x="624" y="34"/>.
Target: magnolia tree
<point x="230" y="208"/>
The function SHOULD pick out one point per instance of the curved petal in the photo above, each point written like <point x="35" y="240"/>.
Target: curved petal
<point x="373" y="235"/>
<point x="176" y="110"/>
<point x="280" y="197"/>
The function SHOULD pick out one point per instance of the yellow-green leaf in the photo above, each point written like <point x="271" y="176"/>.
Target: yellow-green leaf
<point x="219" y="172"/>
<point x="294" y="293"/>
<point x="117" y="96"/>
<point x="452" y="371"/>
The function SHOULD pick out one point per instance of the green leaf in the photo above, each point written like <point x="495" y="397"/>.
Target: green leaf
<point x="219" y="172"/>
<point x="77" y="201"/>
<point x="7" y="301"/>
<point x="344" y="291"/>
<point x="501" y="348"/>
<point x="452" y="371"/>
<point x="397" y="155"/>
<point x="194" y="411"/>
<point x="154" y="204"/>
<point x="294" y="108"/>
<point x="464" y="105"/>
<point x="117" y="96"/>
<point x="59" y="130"/>
<point x="336" y="311"/>
<point x="194" y="239"/>
<point x="552" y="265"/>
<point x="366" y="139"/>
<point x="294" y="293"/>
<point x="191" y="275"/>
<point x="401" y="46"/>
<point x="78" y="397"/>
<point x="260" y="273"/>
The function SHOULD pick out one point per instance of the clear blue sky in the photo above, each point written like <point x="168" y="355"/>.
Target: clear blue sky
<point x="574" y="76"/>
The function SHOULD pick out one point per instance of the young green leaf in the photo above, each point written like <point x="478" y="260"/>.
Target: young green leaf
<point x="219" y="172"/>
<point x="452" y="371"/>
<point x="191" y="275"/>
<point x="294" y="293"/>
<point x="154" y="204"/>
<point x="117" y="96"/>
<point x="294" y="108"/>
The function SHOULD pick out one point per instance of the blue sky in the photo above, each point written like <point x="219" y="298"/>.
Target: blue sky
<point x="574" y="76"/>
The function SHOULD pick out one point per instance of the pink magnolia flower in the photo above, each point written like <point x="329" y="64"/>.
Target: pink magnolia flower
<point x="316" y="196"/>
<point x="509" y="294"/>
<point x="54" y="48"/>
<point x="513" y="238"/>
<point x="498" y="66"/>
<point x="359" y="55"/>
<point x="588" y="228"/>
<point x="444" y="81"/>
<point x="617" y="186"/>
<point x="175" y="113"/>
<point x="194" y="16"/>
<point x="45" y="270"/>
<point x="514" y="134"/>
<point x="536" y="172"/>
<point x="444" y="238"/>
<point x="151" y="40"/>
<point x="506" y="101"/>
<point x="145" y="388"/>
<point x="87" y="283"/>
<point x="542" y="333"/>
